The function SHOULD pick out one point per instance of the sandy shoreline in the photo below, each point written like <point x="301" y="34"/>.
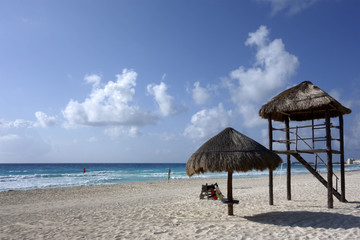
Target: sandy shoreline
<point x="162" y="210"/>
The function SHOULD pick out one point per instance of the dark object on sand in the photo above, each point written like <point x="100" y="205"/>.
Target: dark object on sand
<point x="213" y="192"/>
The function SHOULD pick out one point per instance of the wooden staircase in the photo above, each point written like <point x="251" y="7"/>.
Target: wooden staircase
<point x="316" y="174"/>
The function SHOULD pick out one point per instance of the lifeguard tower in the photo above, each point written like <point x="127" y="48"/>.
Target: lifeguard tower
<point x="307" y="102"/>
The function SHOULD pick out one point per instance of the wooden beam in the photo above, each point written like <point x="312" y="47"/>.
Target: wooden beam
<point x="270" y="133"/>
<point x="284" y="113"/>
<point x="316" y="174"/>
<point x="305" y="151"/>
<point x="329" y="160"/>
<point x="271" y="193"/>
<point x="317" y="126"/>
<point x="229" y="194"/>
<point x="342" y="160"/>
<point x="288" y="159"/>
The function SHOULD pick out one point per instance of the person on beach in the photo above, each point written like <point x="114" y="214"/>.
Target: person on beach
<point x="169" y="174"/>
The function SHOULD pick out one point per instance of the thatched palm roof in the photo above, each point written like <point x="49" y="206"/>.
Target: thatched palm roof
<point x="231" y="151"/>
<point x="303" y="102"/>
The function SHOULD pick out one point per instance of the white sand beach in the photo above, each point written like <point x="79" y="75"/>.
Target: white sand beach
<point x="162" y="210"/>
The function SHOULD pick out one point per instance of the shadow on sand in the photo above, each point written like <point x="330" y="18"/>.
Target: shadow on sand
<point x="356" y="203"/>
<point x="307" y="219"/>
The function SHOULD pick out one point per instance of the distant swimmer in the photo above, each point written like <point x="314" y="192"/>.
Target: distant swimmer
<point x="84" y="170"/>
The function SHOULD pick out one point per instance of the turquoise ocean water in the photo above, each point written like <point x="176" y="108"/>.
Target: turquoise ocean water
<point x="35" y="176"/>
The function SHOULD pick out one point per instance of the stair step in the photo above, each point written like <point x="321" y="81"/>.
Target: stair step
<point x="316" y="174"/>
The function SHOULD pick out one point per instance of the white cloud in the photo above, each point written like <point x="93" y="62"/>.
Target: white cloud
<point x="92" y="139"/>
<point x="164" y="136"/>
<point x="200" y="94"/>
<point x="114" y="132"/>
<point x="265" y="137"/>
<point x="290" y="6"/>
<point x="167" y="136"/>
<point x="273" y="68"/>
<point x="166" y="102"/>
<point x="18" y="123"/>
<point x="163" y="76"/>
<point x="110" y="105"/>
<point x="208" y="122"/>
<point x="23" y="143"/>
<point x="347" y="103"/>
<point x="250" y="115"/>
<point x="118" y="132"/>
<point x="134" y="132"/>
<point x="93" y="79"/>
<point x="44" y="120"/>
<point x="271" y="71"/>
<point x="9" y="137"/>
<point x="335" y="94"/>
<point x="259" y="38"/>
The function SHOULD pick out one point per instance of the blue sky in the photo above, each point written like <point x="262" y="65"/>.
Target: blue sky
<point x="151" y="80"/>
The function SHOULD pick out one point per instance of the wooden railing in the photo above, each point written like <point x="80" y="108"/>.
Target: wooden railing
<point x="313" y="138"/>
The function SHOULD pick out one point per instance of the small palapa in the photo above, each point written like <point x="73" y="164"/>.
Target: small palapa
<point x="231" y="151"/>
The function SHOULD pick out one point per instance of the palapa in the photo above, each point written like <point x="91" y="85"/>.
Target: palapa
<point x="231" y="151"/>
<point x="303" y="102"/>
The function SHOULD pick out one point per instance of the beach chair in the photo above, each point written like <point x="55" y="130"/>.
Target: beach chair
<point x="211" y="191"/>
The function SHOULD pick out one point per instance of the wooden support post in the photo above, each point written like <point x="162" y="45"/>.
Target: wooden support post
<point x="270" y="133"/>
<point x="312" y="130"/>
<point x="271" y="194"/>
<point x="313" y="139"/>
<point x="342" y="160"/>
<point x="296" y="141"/>
<point x="329" y="160"/>
<point x="229" y="194"/>
<point x="316" y="174"/>
<point x="288" y="159"/>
